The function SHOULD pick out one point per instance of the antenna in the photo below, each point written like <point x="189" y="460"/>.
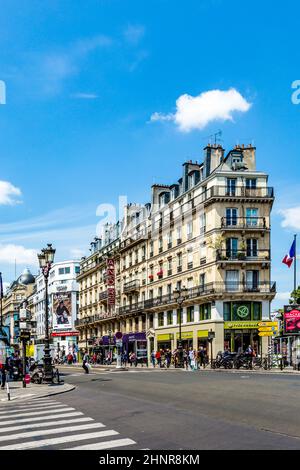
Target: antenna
<point x="215" y="138"/>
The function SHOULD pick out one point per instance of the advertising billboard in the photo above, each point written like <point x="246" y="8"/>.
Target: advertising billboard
<point x="291" y="319"/>
<point x="62" y="311"/>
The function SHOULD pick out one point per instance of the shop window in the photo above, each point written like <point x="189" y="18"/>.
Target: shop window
<point x="161" y="319"/>
<point x="170" y="317"/>
<point x="190" y="314"/>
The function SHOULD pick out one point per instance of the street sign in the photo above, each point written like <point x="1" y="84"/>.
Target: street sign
<point x="268" y="323"/>
<point x="266" y="333"/>
<point x="267" y="328"/>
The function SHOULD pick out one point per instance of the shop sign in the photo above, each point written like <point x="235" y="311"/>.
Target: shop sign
<point x="185" y="335"/>
<point x="291" y="319"/>
<point x="242" y="311"/>
<point x="266" y="333"/>
<point x="166" y="337"/>
<point x="202" y="333"/>
<point x="233" y="325"/>
<point x="110" y="281"/>
<point x="150" y="333"/>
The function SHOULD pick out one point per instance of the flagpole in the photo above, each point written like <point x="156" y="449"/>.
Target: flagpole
<point x="295" y="264"/>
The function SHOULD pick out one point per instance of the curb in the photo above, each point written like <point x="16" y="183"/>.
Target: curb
<point x="42" y="395"/>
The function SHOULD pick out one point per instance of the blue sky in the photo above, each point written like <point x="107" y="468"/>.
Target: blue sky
<point x="83" y="80"/>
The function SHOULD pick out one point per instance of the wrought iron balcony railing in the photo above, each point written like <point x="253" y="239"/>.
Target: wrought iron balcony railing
<point x="243" y="255"/>
<point x="249" y="223"/>
<point x="131" y="286"/>
<point x="205" y="290"/>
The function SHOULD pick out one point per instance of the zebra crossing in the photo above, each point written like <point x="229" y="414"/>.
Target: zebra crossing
<point x="48" y="424"/>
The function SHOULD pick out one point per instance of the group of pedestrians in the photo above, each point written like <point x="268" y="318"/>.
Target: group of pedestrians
<point x="7" y="367"/>
<point x="188" y="358"/>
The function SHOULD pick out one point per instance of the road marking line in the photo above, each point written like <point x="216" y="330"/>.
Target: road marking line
<point x="58" y="440"/>
<point x="33" y="408"/>
<point x="40" y="418"/>
<point x="44" y="425"/>
<point x="105" y="445"/>
<point x="33" y="413"/>
<point x="25" y="435"/>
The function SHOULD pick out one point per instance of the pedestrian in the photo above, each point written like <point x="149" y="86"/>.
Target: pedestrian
<point x="153" y="358"/>
<point x="85" y="362"/>
<point x="3" y="374"/>
<point x="191" y="359"/>
<point x="158" y="358"/>
<point x="185" y="359"/>
<point x="168" y="358"/>
<point x="201" y="354"/>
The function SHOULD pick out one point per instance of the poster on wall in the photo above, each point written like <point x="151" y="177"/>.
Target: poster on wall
<point x="291" y="318"/>
<point x="62" y="311"/>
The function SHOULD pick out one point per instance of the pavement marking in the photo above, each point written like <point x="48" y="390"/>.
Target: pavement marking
<point x="44" y="425"/>
<point x="58" y="440"/>
<point x="44" y="432"/>
<point x="33" y="408"/>
<point x="33" y="413"/>
<point x="105" y="445"/>
<point x="40" y="418"/>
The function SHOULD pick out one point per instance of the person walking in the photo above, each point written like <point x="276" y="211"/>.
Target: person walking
<point x="158" y="358"/>
<point x="201" y="354"/>
<point x="168" y="358"/>
<point x="85" y="363"/>
<point x="153" y="358"/>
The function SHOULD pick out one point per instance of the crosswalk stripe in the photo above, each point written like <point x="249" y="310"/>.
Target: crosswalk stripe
<point x="33" y="413"/>
<point x="40" y="418"/>
<point x="58" y="440"/>
<point x="44" y="425"/>
<point x="105" y="445"/>
<point x="35" y="408"/>
<point x="25" y="435"/>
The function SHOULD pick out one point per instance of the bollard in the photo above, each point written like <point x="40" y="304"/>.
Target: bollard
<point x="7" y="388"/>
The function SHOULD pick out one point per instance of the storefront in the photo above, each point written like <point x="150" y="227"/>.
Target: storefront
<point x="202" y="340"/>
<point x="186" y="339"/>
<point x="241" y="321"/>
<point x="164" y="341"/>
<point x="137" y="343"/>
<point x="64" y="343"/>
<point x="239" y="335"/>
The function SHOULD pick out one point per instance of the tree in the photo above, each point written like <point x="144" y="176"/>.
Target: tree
<point x="295" y="296"/>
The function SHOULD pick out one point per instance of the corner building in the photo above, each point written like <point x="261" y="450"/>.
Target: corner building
<point x="208" y="232"/>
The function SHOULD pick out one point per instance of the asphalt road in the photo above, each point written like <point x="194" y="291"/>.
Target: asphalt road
<point x="174" y="409"/>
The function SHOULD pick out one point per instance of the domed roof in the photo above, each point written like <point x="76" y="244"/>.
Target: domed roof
<point x="26" y="278"/>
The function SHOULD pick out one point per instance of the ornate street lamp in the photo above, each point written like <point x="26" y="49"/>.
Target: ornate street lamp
<point x="180" y="296"/>
<point x="46" y="258"/>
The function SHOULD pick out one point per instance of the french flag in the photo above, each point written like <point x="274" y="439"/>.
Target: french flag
<point x="288" y="259"/>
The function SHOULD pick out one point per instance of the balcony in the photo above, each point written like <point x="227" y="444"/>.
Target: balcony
<point x="237" y="193"/>
<point x="236" y="256"/>
<point x="244" y="223"/>
<point x="103" y="296"/>
<point x="131" y="286"/>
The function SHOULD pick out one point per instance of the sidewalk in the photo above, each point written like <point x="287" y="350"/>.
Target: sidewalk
<point x="17" y="392"/>
<point x="286" y="370"/>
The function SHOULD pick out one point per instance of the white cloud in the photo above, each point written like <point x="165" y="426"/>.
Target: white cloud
<point x="283" y="296"/>
<point x="77" y="253"/>
<point x="134" y="33"/>
<point x="9" y="194"/>
<point x="84" y="96"/>
<point x="196" y="112"/>
<point x="11" y="253"/>
<point x="291" y="217"/>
